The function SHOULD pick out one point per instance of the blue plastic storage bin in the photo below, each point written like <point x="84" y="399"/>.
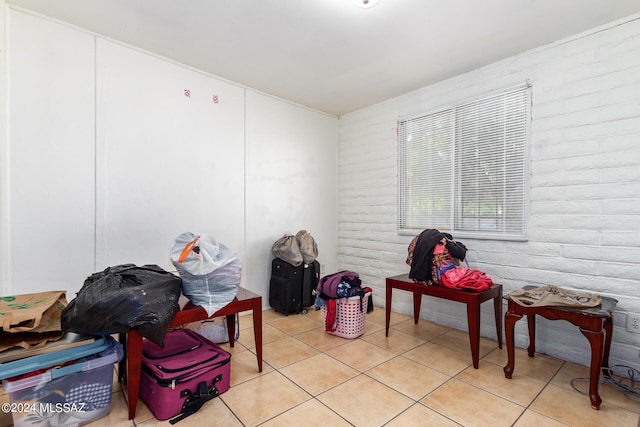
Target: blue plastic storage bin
<point x="42" y="361"/>
<point x="70" y="395"/>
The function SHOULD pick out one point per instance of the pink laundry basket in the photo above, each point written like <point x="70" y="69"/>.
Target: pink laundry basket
<point x="350" y="316"/>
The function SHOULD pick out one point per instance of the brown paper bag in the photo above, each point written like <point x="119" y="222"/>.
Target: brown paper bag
<point x="26" y="340"/>
<point x="39" y="312"/>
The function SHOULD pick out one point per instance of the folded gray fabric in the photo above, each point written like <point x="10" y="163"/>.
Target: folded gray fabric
<point x="551" y="295"/>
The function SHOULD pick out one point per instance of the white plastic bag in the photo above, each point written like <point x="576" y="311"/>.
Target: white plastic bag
<point x="210" y="271"/>
<point x="215" y="329"/>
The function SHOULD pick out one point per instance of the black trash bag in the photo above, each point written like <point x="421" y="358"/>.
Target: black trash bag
<point x="123" y="298"/>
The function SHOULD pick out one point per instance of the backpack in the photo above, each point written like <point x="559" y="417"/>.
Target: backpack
<point x="431" y="253"/>
<point x="442" y="261"/>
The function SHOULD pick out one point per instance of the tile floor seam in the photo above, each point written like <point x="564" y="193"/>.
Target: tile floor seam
<point x="396" y="390"/>
<point x="329" y="408"/>
<point x="434" y="409"/>
<point x="439" y="413"/>
<point x="494" y="394"/>
<point x="233" y="413"/>
<point x="431" y="340"/>
<point x="529" y="408"/>
<point x="404" y="351"/>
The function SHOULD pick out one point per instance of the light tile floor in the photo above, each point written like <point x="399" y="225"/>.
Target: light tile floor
<point x="421" y="375"/>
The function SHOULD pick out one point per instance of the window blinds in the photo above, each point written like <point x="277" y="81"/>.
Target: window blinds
<point x="426" y="171"/>
<point x="464" y="168"/>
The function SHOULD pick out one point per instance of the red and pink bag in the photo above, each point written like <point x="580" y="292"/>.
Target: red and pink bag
<point x="466" y="278"/>
<point x="178" y="378"/>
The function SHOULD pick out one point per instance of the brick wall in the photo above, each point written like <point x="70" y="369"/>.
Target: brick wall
<point x="584" y="223"/>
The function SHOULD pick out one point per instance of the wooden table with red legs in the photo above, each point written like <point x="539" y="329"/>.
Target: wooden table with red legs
<point x="472" y="299"/>
<point x="245" y="300"/>
<point x="596" y="324"/>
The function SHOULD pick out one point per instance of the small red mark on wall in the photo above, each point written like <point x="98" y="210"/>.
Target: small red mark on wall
<point x="187" y="93"/>
<point x="215" y="99"/>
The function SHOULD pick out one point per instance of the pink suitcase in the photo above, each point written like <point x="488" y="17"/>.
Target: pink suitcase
<point x="183" y="374"/>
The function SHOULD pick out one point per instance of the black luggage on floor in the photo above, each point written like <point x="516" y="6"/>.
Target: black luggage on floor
<point x="310" y="279"/>
<point x="291" y="288"/>
<point x="285" y="288"/>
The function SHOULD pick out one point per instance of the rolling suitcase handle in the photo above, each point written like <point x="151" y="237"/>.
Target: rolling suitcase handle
<point x="195" y="401"/>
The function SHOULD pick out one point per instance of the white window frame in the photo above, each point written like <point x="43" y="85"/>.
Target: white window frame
<point x="433" y="151"/>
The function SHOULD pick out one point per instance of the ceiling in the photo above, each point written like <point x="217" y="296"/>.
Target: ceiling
<point x="330" y="55"/>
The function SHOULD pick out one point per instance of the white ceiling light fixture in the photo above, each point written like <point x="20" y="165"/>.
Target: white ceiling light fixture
<point x="366" y="4"/>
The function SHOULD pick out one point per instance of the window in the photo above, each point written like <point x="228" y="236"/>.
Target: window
<point x="464" y="169"/>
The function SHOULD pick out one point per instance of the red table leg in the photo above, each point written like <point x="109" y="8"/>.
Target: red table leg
<point x="473" y="322"/>
<point x="231" y="328"/>
<point x="531" y="325"/>
<point x="257" y="329"/>
<point x="134" y="368"/>
<point x="417" y="301"/>
<point x="510" y="320"/>
<point x="608" y="330"/>
<point x="596" y="340"/>
<point x="497" y="311"/>
<point x="387" y="308"/>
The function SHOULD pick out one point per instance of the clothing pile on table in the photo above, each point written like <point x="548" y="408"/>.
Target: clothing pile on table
<point x="436" y="258"/>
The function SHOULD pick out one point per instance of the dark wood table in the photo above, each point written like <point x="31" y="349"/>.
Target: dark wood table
<point x="596" y="324"/>
<point x="245" y="300"/>
<point x="471" y="298"/>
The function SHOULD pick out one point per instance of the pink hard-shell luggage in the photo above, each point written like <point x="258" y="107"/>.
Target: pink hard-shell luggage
<point x="179" y="377"/>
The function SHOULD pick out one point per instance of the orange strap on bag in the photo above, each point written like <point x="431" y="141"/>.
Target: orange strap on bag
<point x="187" y="248"/>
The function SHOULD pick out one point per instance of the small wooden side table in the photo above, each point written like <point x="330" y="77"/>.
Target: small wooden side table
<point x="245" y="300"/>
<point x="596" y="324"/>
<point x="470" y="298"/>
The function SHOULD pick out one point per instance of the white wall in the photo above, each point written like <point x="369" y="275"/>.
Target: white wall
<point x="170" y="159"/>
<point x="4" y="161"/>
<point x="50" y="174"/>
<point x="290" y="180"/>
<point x="584" y="230"/>
<point x="108" y="160"/>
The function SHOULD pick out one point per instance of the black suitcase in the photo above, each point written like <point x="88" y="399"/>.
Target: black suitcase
<point x="310" y="279"/>
<point x="285" y="287"/>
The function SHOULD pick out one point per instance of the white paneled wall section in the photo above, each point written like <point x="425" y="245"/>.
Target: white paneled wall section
<point x="584" y="162"/>
<point x="171" y="151"/>
<point x="290" y="179"/>
<point x="114" y="152"/>
<point x="51" y="155"/>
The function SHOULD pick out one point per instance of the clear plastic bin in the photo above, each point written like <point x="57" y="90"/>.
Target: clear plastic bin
<point x="25" y="365"/>
<point x="71" y="395"/>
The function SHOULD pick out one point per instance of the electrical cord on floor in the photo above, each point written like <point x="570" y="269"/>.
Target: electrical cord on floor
<point x="627" y="384"/>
